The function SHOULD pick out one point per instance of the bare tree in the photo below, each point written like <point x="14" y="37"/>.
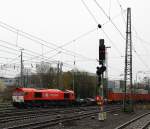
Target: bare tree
<point x="2" y="86"/>
<point x="47" y="75"/>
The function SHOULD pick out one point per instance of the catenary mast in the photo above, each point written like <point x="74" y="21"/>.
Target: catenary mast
<point x="128" y="63"/>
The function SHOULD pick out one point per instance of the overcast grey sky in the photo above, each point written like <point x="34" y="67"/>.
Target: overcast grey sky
<point x="63" y="21"/>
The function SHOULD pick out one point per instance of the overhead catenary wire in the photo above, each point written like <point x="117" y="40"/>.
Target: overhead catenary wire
<point x="145" y="49"/>
<point x="114" y="17"/>
<point x="121" y="12"/>
<point x="109" y="8"/>
<point x="118" y="30"/>
<point x="79" y="37"/>
<point x="6" y="57"/>
<point x="64" y="64"/>
<point x="70" y="43"/>
<point x="111" y="42"/>
<point x="8" y="52"/>
<point x="109" y="18"/>
<point x="94" y="18"/>
<point x="18" y="33"/>
<point x="39" y="40"/>
<point x="146" y="66"/>
<point x="141" y="40"/>
<point x="39" y="55"/>
<point x="17" y="50"/>
<point x="12" y="59"/>
<point x="12" y="70"/>
<point x="26" y="60"/>
<point x="45" y="59"/>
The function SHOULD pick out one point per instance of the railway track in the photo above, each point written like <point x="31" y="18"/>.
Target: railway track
<point x="38" y="113"/>
<point x="44" y="120"/>
<point x="25" y="115"/>
<point x="5" y="105"/>
<point x="140" y="122"/>
<point x="19" y="112"/>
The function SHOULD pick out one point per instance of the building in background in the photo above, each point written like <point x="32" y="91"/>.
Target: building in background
<point x="8" y="81"/>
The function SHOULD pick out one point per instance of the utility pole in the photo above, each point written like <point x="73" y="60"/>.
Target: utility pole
<point x="106" y="73"/>
<point x="21" y="70"/>
<point x="74" y="73"/>
<point x="61" y="77"/>
<point x="128" y="64"/>
<point x="58" y="75"/>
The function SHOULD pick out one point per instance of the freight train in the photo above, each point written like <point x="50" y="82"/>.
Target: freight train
<point x="31" y="97"/>
<point x="114" y="97"/>
<point x="136" y="97"/>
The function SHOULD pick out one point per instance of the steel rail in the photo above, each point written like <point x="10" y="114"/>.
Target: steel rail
<point x="40" y="113"/>
<point x="146" y="126"/>
<point x="51" y="122"/>
<point x="131" y="121"/>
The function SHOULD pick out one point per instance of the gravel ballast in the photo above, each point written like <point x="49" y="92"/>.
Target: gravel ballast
<point x="113" y="120"/>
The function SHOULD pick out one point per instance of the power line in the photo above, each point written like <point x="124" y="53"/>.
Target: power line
<point x="24" y="52"/>
<point x="140" y="58"/>
<point x="109" y="18"/>
<point x="39" y="40"/>
<point x="45" y="57"/>
<point x="18" y="33"/>
<point x="6" y="58"/>
<point x="42" y="55"/>
<point x="136" y="34"/>
<point x="8" y="52"/>
<point x="121" y="12"/>
<point x="48" y="60"/>
<point x="12" y="59"/>
<point x="15" y="46"/>
<point x="22" y="48"/>
<point x="117" y="29"/>
<point x="109" y="7"/>
<point x="112" y="42"/>
<point x="79" y="37"/>
<point x="94" y="18"/>
<point x="114" y="17"/>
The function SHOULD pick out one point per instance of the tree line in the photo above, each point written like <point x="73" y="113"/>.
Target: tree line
<point x="46" y="76"/>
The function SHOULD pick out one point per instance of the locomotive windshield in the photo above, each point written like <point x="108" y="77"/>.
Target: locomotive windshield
<point x="66" y="95"/>
<point x="38" y="95"/>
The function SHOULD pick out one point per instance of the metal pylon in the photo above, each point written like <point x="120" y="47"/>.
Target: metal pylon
<point x="128" y="63"/>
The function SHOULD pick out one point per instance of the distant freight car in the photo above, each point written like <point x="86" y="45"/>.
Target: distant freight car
<point x="118" y="97"/>
<point x="30" y="97"/>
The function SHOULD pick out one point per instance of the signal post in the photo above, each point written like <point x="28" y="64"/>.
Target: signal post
<point x="100" y="73"/>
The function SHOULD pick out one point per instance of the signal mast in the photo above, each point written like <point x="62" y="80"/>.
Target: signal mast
<point x="100" y="73"/>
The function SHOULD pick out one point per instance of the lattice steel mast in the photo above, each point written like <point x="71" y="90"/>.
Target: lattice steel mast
<point x="128" y="61"/>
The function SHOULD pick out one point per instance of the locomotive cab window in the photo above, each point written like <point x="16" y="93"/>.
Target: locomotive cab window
<point x="25" y="93"/>
<point x="38" y="95"/>
<point x="66" y="95"/>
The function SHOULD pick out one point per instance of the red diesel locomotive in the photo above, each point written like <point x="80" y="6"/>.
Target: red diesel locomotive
<point x="30" y="97"/>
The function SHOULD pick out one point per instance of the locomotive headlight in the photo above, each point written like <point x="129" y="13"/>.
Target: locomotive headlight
<point x="18" y="97"/>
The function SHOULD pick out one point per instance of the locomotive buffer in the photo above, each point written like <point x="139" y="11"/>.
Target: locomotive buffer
<point x="100" y="73"/>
